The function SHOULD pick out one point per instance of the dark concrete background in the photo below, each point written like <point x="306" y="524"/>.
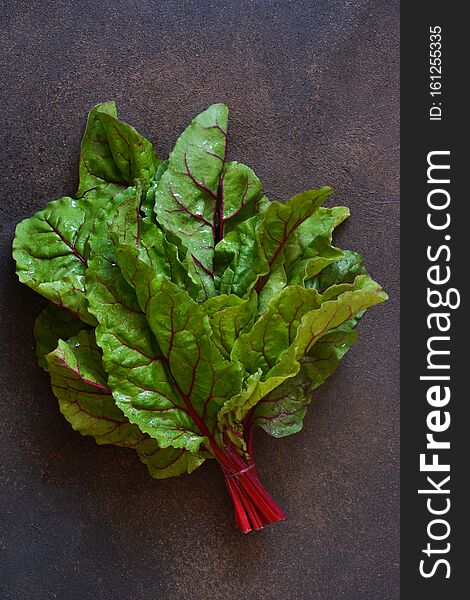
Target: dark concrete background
<point x="313" y="92"/>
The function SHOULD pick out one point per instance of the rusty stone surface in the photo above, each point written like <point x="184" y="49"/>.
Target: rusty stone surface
<point x="313" y="93"/>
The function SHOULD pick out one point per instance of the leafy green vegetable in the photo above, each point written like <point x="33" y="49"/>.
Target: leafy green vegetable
<point x="186" y="198"/>
<point x="113" y="155"/>
<point x="186" y="307"/>
<point x="79" y="383"/>
<point x="52" y="324"/>
<point x="51" y="254"/>
<point x="98" y="173"/>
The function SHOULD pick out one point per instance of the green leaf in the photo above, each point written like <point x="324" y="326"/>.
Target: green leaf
<point x="132" y="358"/>
<point x="324" y="356"/>
<point x="186" y="197"/>
<point x="281" y="221"/>
<point x="276" y="330"/>
<point x="238" y="259"/>
<point x="203" y="378"/>
<point x="229" y="316"/>
<point x="100" y="245"/>
<point x="79" y="383"/>
<point x="168" y="462"/>
<point x="151" y="245"/>
<point x="147" y="205"/>
<point x="134" y="363"/>
<point x="240" y="196"/>
<point x="273" y="284"/>
<point x="340" y="303"/>
<point x="296" y="319"/>
<point x="309" y="251"/>
<point x="52" y="249"/>
<point x="345" y="270"/>
<point x="53" y="323"/>
<point x="281" y="412"/>
<point x="275" y="233"/>
<point x="138" y="373"/>
<point x="133" y="154"/>
<point x="51" y="254"/>
<point x="233" y="413"/>
<point x="99" y="176"/>
<point x="253" y="252"/>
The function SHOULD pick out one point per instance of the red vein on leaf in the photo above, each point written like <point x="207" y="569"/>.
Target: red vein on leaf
<point x="197" y="183"/>
<point x="186" y="210"/>
<point x="78" y="373"/>
<point x="215" y="155"/>
<point x="151" y="358"/>
<point x="137" y="235"/>
<point x="325" y="328"/>
<point x="242" y="203"/>
<point x="210" y="397"/>
<point x="218" y="215"/>
<point x="166" y="465"/>
<point x="87" y="413"/>
<point x="68" y="244"/>
<point x="98" y="417"/>
<point x="118" y="300"/>
<point x="205" y="269"/>
<point x="276" y="253"/>
<point x="126" y="159"/>
<point x="216" y="126"/>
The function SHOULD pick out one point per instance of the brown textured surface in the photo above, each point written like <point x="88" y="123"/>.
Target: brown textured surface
<point x="313" y="92"/>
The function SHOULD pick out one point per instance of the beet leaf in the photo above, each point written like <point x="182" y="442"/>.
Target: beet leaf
<point x="186" y="308"/>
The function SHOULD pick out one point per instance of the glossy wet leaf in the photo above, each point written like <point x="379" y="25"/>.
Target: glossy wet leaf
<point x="151" y="245"/>
<point x="98" y="173"/>
<point x="239" y="260"/>
<point x="240" y="196"/>
<point x="51" y="254"/>
<point x="344" y="270"/>
<point x="187" y="195"/>
<point x="132" y="153"/>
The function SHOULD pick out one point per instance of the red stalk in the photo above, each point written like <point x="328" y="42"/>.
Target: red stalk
<point x="253" y="506"/>
<point x="241" y="520"/>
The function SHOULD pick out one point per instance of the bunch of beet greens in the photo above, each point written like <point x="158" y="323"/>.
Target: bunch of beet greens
<point x="187" y="308"/>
